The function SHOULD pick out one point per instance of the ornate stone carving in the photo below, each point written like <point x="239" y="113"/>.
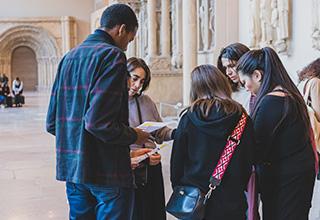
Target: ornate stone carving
<point x="176" y="19"/>
<point x="316" y="24"/>
<point x="206" y="13"/>
<point x="212" y="14"/>
<point x="254" y="25"/>
<point x="269" y="24"/>
<point x="158" y="63"/>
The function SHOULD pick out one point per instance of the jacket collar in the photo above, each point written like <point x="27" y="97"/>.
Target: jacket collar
<point x="100" y="35"/>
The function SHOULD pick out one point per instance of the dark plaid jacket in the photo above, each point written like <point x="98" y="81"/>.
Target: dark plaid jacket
<point x="88" y="114"/>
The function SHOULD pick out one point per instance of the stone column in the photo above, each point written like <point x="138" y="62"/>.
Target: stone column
<point x="132" y="47"/>
<point x="40" y="75"/>
<point x="131" y="52"/>
<point x="152" y="28"/>
<point x="165" y="28"/>
<point x="65" y="33"/>
<point x="189" y="7"/>
<point x="177" y="34"/>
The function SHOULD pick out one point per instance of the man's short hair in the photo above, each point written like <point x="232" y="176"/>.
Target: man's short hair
<point x="118" y="14"/>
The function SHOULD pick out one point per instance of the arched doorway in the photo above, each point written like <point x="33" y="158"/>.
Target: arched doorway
<point x="24" y="65"/>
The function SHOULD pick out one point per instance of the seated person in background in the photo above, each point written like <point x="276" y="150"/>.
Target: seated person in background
<point x="4" y="79"/>
<point x="4" y="93"/>
<point x="2" y="97"/>
<point x="17" y="89"/>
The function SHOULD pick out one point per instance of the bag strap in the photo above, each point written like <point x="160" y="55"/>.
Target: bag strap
<point x="232" y="142"/>
<point x="306" y="92"/>
<point x="139" y="109"/>
<point x="139" y="113"/>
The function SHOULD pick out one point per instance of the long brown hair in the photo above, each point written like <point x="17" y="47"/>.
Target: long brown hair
<point x="210" y="87"/>
<point x="311" y="70"/>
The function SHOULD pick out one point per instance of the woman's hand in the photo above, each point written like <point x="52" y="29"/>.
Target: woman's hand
<point x="155" y="159"/>
<point x="135" y="153"/>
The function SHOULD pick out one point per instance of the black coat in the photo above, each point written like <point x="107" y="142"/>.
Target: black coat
<point x="197" y="146"/>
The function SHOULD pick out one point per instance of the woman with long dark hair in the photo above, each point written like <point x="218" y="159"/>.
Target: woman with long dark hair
<point x="286" y="161"/>
<point x="200" y="139"/>
<point x="149" y="193"/>
<point x="227" y="62"/>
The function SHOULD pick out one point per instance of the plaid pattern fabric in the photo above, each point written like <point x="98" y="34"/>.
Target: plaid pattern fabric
<point x="88" y="114"/>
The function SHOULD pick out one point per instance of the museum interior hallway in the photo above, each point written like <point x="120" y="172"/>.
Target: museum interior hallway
<point x="28" y="187"/>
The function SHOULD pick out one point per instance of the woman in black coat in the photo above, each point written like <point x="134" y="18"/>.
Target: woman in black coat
<point x="200" y="139"/>
<point x="286" y="161"/>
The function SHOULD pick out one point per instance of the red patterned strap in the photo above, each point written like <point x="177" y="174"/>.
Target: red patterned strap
<point x="232" y="142"/>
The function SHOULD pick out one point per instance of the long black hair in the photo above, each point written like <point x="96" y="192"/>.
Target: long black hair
<point x="232" y="52"/>
<point x="273" y="74"/>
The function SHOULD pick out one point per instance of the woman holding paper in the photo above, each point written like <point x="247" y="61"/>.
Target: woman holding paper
<point x="149" y="197"/>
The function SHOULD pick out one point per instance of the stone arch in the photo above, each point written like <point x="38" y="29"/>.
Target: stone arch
<point x="40" y="41"/>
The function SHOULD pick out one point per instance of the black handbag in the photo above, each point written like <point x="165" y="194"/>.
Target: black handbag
<point x="188" y="202"/>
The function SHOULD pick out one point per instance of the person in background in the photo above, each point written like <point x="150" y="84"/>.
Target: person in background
<point x="309" y="81"/>
<point x="201" y="137"/>
<point x="4" y="79"/>
<point x="88" y="115"/>
<point x="311" y="75"/>
<point x="17" y="90"/>
<point x="227" y="62"/>
<point x="285" y="157"/>
<point x="149" y="194"/>
<point x="4" y="93"/>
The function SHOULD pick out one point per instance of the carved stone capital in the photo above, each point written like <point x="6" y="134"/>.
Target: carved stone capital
<point x="159" y="63"/>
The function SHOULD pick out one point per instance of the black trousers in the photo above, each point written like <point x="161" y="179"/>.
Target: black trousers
<point x="149" y="199"/>
<point x="286" y="197"/>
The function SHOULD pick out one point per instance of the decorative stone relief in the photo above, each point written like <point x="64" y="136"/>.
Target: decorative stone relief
<point x="254" y="26"/>
<point x="212" y="14"/>
<point x="206" y="13"/>
<point x="269" y="24"/>
<point x="176" y="36"/>
<point x="316" y="24"/>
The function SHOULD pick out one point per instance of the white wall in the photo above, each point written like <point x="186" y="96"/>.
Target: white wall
<point x="80" y="9"/>
<point x="301" y="52"/>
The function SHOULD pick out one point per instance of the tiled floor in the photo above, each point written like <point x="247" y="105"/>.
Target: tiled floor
<point x="28" y="189"/>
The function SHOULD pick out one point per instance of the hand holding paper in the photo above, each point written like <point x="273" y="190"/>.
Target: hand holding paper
<point x="151" y="126"/>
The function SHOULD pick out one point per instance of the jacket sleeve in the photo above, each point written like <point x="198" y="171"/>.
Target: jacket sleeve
<point x="105" y="103"/>
<point x="179" y="153"/>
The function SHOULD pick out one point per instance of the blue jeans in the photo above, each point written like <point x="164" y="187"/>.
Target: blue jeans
<point x="91" y="202"/>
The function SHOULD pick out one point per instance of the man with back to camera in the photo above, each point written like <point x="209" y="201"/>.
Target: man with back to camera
<point x="88" y="114"/>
